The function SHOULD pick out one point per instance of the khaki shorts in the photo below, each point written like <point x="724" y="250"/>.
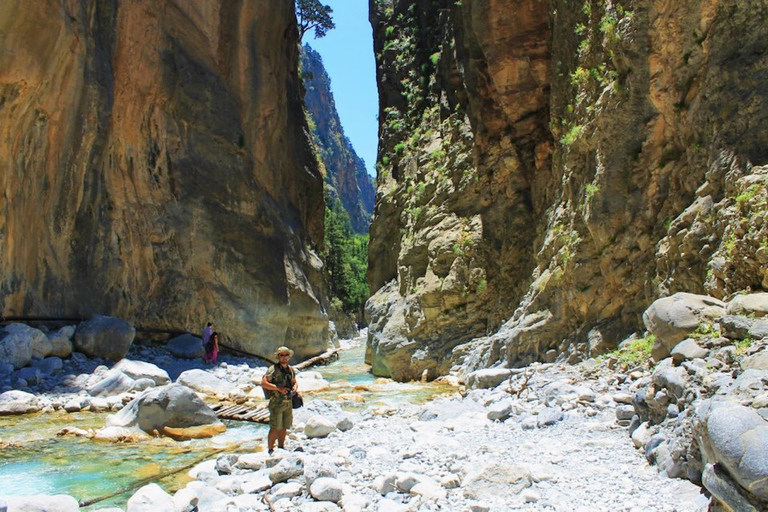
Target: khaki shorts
<point x="280" y="415"/>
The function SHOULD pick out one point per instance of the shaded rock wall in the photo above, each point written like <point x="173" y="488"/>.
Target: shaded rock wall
<point x="156" y="167"/>
<point x="540" y="177"/>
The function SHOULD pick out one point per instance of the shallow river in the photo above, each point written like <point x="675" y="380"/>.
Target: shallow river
<point x="38" y="462"/>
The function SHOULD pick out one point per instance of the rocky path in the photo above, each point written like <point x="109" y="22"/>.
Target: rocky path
<point x="560" y="444"/>
<point x="557" y="447"/>
<point x="582" y="461"/>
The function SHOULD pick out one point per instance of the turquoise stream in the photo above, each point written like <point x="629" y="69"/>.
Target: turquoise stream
<point x="36" y="461"/>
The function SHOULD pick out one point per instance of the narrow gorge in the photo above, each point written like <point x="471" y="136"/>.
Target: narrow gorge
<point x="568" y="230"/>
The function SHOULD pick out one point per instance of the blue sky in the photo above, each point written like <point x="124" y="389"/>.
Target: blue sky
<point x="347" y="53"/>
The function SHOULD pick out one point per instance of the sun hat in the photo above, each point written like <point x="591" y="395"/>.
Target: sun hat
<point x="283" y="349"/>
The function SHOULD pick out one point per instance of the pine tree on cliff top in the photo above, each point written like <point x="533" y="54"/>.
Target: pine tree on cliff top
<point x="312" y="14"/>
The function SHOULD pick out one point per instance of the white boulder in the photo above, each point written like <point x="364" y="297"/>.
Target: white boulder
<point x="141" y="370"/>
<point x="318" y="426"/>
<point x="151" y="498"/>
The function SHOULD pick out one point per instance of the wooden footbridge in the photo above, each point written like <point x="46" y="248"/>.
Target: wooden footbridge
<point x="242" y="412"/>
<point x="258" y="412"/>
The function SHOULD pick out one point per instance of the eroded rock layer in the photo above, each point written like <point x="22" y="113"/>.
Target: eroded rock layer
<point x="156" y="167"/>
<point x="548" y="169"/>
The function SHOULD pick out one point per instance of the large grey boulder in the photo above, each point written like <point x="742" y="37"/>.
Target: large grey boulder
<point x="290" y="466"/>
<point x="41" y="346"/>
<point x="759" y="329"/>
<point x="672" y="319"/>
<point x="30" y="375"/>
<point x="751" y="304"/>
<point x="49" y="365"/>
<point x="158" y="409"/>
<point x="687" y="350"/>
<point x="736" y="437"/>
<point x="205" y="382"/>
<point x="151" y="498"/>
<point x="723" y="489"/>
<point x="16" y="349"/>
<point x="186" y="346"/>
<point x="61" y="341"/>
<point x="114" y="382"/>
<point x="757" y="361"/>
<point x="18" y="402"/>
<point x="487" y="378"/>
<point x="735" y="327"/>
<point x="104" y="337"/>
<point x="319" y="467"/>
<point x="318" y="426"/>
<point x="142" y="370"/>
<point x="326" y="489"/>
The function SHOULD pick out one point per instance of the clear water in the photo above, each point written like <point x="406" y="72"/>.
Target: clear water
<point x="355" y="387"/>
<point x="38" y="462"/>
<point x="33" y="460"/>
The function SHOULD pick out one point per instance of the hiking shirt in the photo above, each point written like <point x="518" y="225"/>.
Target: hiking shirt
<point x="281" y="377"/>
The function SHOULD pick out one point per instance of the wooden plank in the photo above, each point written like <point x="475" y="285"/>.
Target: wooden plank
<point x="258" y="413"/>
<point x="255" y="414"/>
<point x="321" y="359"/>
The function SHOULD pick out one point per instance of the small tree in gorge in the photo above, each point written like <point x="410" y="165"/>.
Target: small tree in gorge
<point x="312" y="14"/>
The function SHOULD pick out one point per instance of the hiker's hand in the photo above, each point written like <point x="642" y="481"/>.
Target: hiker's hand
<point x="283" y="391"/>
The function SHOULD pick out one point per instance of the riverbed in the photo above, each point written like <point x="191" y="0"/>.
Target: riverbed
<point x="36" y="460"/>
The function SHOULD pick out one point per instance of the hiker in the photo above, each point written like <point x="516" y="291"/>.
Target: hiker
<point x="212" y="348"/>
<point x="206" y="339"/>
<point x="280" y="383"/>
<point x="207" y="333"/>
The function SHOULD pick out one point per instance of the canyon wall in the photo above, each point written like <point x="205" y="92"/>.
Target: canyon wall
<point x="156" y="166"/>
<point x="547" y="169"/>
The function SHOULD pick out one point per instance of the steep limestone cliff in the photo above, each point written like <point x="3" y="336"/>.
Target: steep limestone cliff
<point x="156" y="166"/>
<point x="548" y="169"/>
<point x="345" y="171"/>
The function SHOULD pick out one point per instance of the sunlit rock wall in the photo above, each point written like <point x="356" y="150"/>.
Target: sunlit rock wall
<point x="155" y="166"/>
<point x="548" y="169"/>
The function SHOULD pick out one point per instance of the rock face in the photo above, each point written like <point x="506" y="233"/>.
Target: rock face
<point x="159" y="154"/>
<point x="552" y="170"/>
<point x="345" y="172"/>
